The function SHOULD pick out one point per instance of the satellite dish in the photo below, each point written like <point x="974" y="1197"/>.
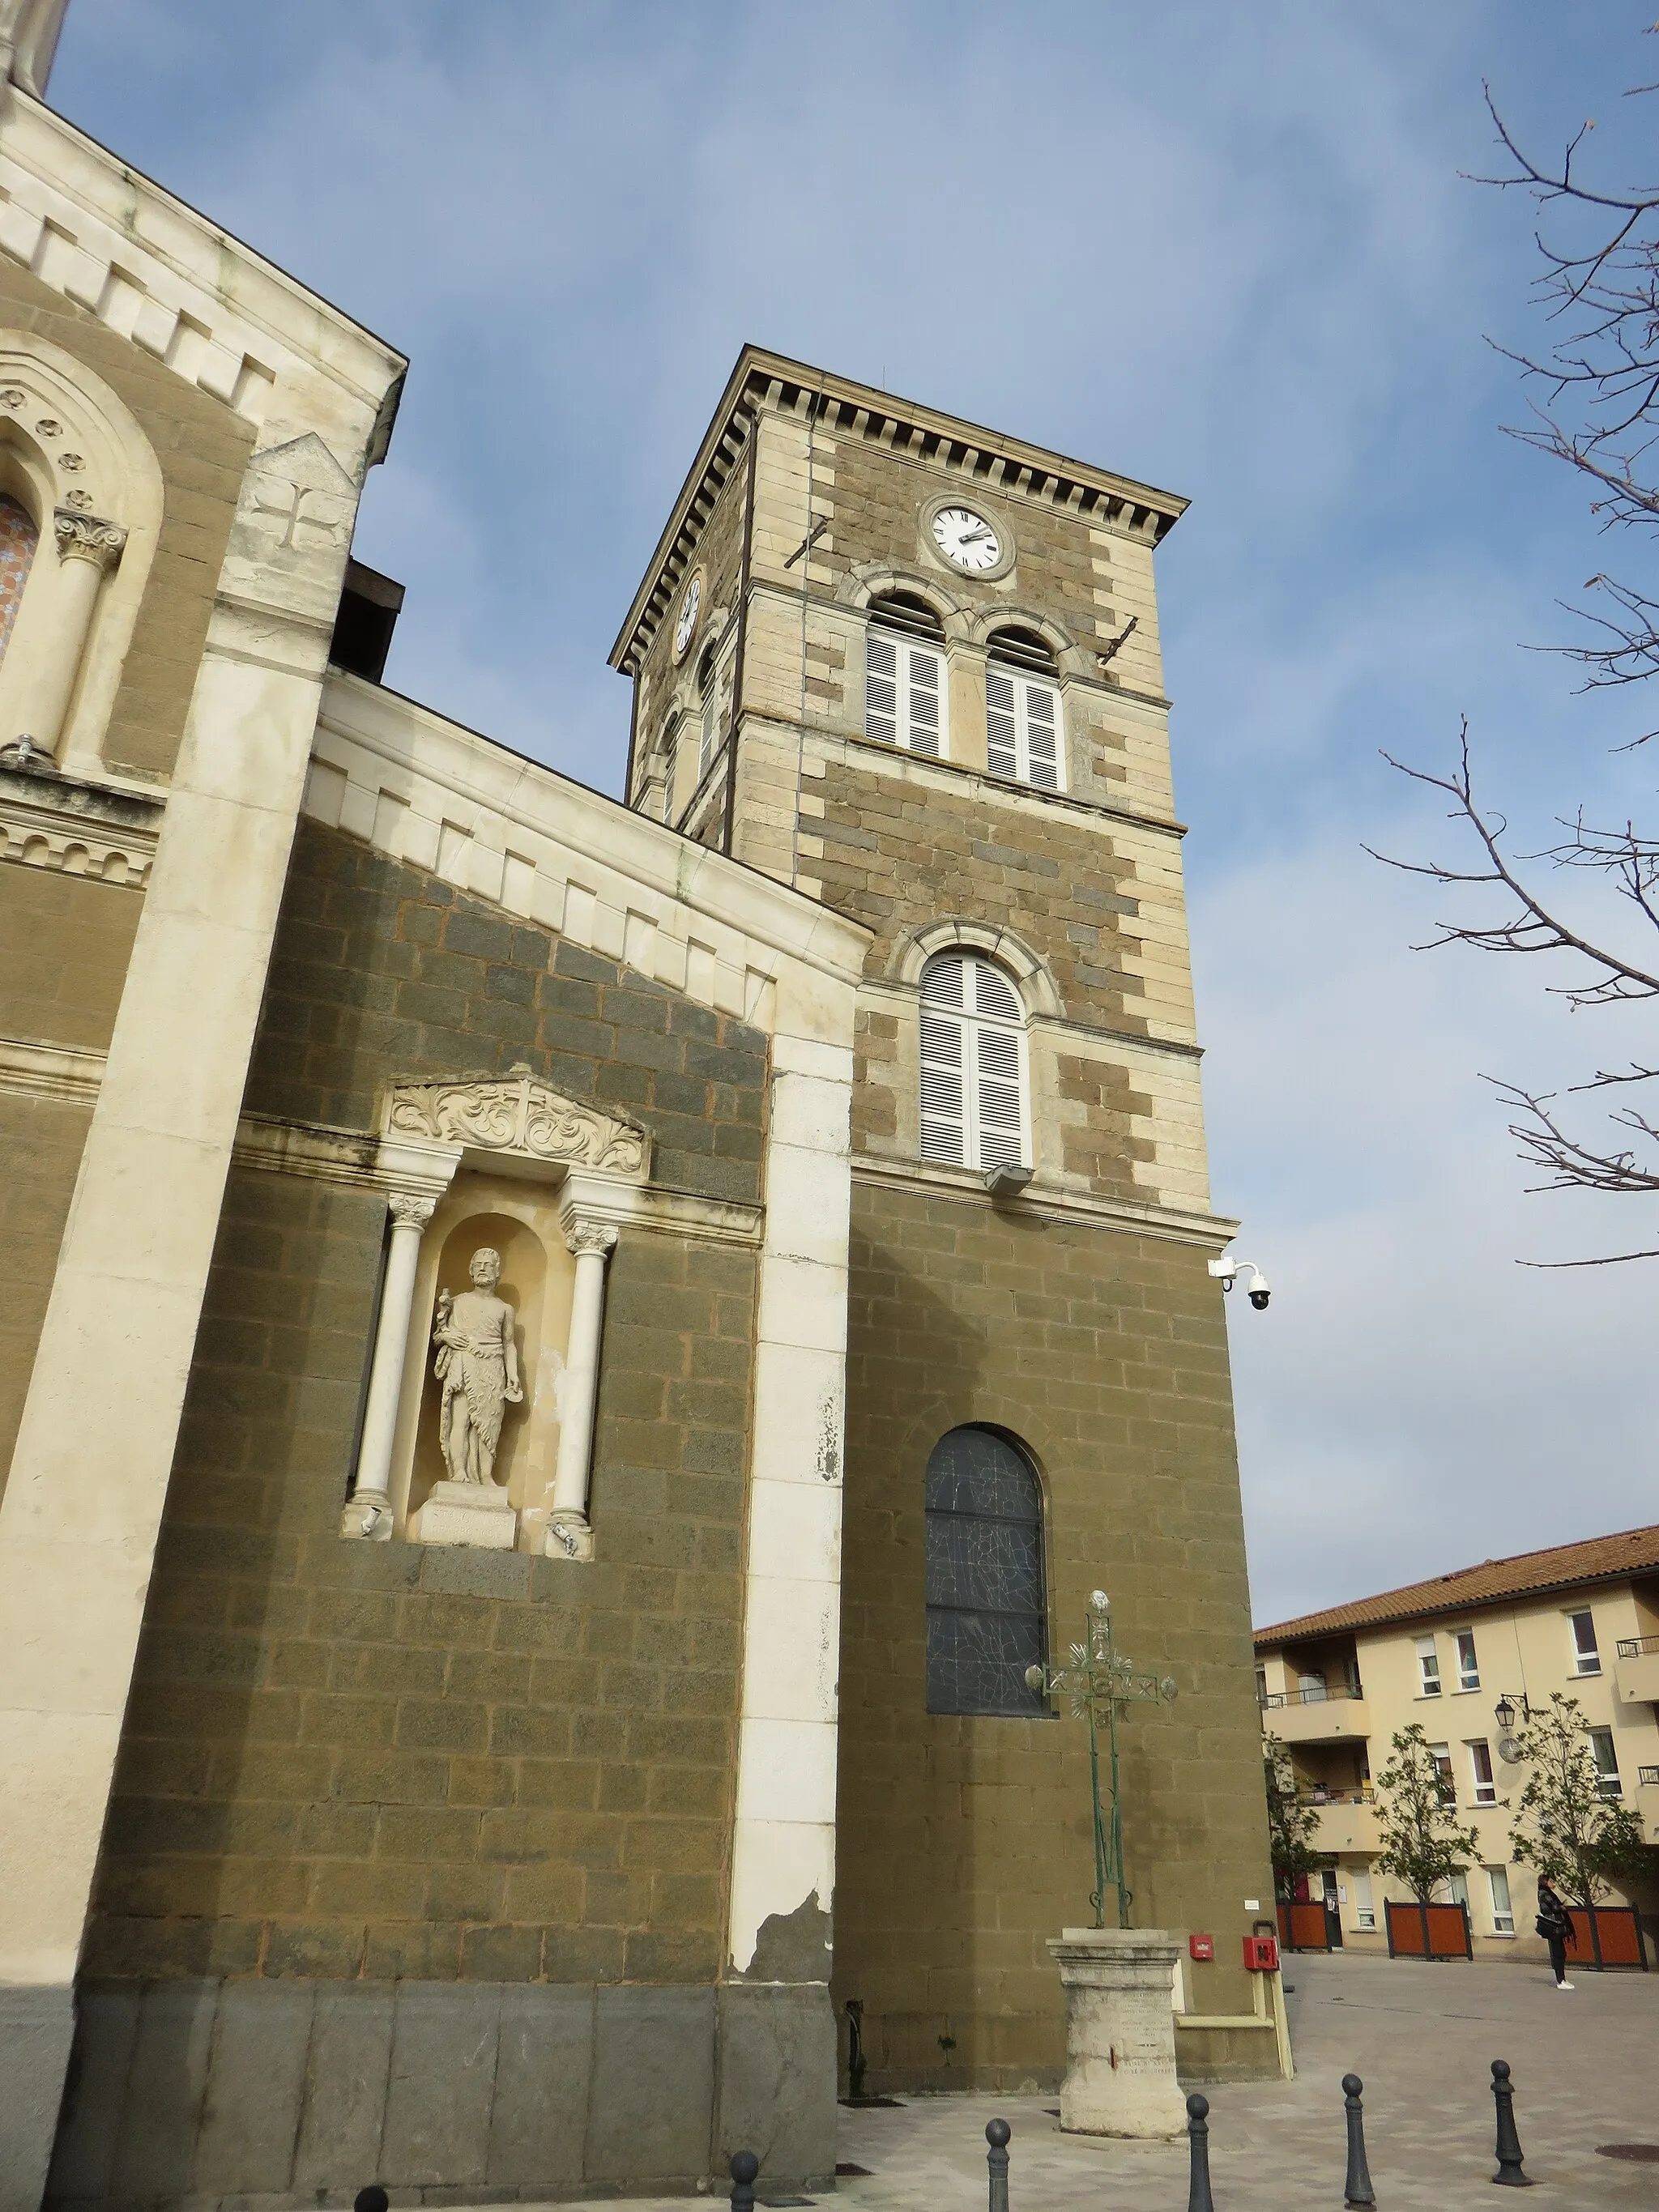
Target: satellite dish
<point x="1509" y="1750"/>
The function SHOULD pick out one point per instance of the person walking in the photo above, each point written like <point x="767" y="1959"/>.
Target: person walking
<point x="1555" y="1926"/>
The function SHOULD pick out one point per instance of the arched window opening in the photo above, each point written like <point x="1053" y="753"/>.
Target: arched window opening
<point x="973" y="1063"/>
<point x="671" y="750"/>
<point x="20" y="540"/>
<point x="708" y="693"/>
<point x="986" y="1607"/>
<point x="904" y="674"/>
<point x="1023" y="716"/>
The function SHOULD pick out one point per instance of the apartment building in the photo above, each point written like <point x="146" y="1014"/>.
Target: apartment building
<point x="1467" y="1654"/>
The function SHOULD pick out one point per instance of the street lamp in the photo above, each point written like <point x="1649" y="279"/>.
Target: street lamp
<point x="1503" y="1711"/>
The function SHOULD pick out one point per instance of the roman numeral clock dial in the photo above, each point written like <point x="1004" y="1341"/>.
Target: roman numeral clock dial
<point x="966" y="540"/>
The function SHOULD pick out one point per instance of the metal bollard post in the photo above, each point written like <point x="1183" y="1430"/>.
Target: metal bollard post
<point x="1508" y="2143"/>
<point x="744" y="2166"/>
<point x="1357" y="2189"/>
<point x="1199" y="2198"/>
<point x="997" y="2133"/>
<point x="372" y="2199"/>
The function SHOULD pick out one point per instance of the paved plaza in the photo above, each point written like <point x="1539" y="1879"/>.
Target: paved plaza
<point x="1422" y="2037"/>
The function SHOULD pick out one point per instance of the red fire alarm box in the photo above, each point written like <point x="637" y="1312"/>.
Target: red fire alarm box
<point x="1201" y="1946"/>
<point x="1262" y="1954"/>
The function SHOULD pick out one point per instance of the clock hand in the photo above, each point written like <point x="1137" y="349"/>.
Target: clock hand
<point x="972" y="537"/>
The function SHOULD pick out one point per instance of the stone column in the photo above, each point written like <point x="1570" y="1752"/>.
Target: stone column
<point x="87" y="549"/>
<point x="570" y="1535"/>
<point x="368" y="1509"/>
<point x="1120" y="2031"/>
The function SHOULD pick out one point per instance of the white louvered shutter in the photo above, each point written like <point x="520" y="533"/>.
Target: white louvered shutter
<point x="996" y="1102"/>
<point x="1001" y="723"/>
<point x="881" y="715"/>
<point x="710" y="731"/>
<point x="973" y="1075"/>
<point x="926" y="673"/>
<point x="943" y="1071"/>
<point x="1042" y="708"/>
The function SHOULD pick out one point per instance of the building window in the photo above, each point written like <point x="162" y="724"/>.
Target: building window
<point x="708" y="710"/>
<point x="1503" y="1911"/>
<point x="973" y="1063"/>
<point x="670" y="749"/>
<point x="1428" y="1668"/>
<point x="1458" y="1884"/>
<point x="19" y="540"/>
<point x="1441" y="1754"/>
<point x="1607" y="1761"/>
<point x="1469" y="1666"/>
<point x="1485" y="1786"/>
<point x="1587" y="1658"/>
<point x="1365" y="1909"/>
<point x="904" y="674"/>
<point x="1023" y="717"/>
<point x="986" y="1614"/>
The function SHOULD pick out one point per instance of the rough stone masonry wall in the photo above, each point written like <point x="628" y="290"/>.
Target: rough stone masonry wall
<point x="392" y="1767"/>
<point x="964" y="1843"/>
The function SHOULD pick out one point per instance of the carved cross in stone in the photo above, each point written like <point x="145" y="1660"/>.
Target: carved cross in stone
<point x="1099" y="1680"/>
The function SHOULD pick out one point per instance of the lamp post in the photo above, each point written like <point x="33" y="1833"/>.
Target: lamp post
<point x="1098" y="1680"/>
<point x="1503" y="1711"/>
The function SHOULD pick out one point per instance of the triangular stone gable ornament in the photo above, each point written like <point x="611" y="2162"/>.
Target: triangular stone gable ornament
<point x="516" y="1112"/>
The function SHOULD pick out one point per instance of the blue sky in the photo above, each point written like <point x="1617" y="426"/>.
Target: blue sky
<point x="1227" y="250"/>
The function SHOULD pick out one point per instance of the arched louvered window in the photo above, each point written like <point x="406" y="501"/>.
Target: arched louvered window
<point x="1023" y="723"/>
<point x="973" y="1062"/>
<point x="987" y="1610"/>
<point x="671" y="752"/>
<point x="904" y="688"/>
<point x="19" y="540"/>
<point x="708" y="694"/>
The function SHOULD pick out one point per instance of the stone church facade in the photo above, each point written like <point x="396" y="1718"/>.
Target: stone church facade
<point x="529" y="1815"/>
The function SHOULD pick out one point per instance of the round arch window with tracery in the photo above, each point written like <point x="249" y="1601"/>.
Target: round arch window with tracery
<point x="986" y="1604"/>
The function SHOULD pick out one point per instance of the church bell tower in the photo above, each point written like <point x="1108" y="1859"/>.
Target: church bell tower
<point x="911" y="666"/>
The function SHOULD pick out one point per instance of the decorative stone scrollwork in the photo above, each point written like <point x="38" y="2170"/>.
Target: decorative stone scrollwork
<point x="516" y="1112"/>
<point x="410" y="1210"/>
<point x="87" y="537"/>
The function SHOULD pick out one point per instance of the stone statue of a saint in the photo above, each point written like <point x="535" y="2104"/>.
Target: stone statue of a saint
<point x="477" y="1364"/>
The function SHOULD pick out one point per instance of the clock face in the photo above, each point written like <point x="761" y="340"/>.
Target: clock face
<point x="685" y="627"/>
<point x="966" y="539"/>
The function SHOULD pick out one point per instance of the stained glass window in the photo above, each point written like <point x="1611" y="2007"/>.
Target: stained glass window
<point x="18" y="540"/>
<point x="987" y="1612"/>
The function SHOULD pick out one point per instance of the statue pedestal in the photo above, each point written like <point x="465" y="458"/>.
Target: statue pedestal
<point x="474" y="1513"/>
<point x="1120" y="2031"/>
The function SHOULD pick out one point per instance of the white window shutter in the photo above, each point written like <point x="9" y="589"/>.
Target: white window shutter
<point x="1001" y="724"/>
<point x="881" y="688"/>
<point x="710" y="731"/>
<point x="944" y="1077"/>
<point x="922" y="699"/>
<point x="1042" y="736"/>
<point x="997" y="1097"/>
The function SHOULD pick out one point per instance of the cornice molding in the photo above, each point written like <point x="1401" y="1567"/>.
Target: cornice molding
<point x="76" y="828"/>
<point x="1209" y="1231"/>
<point x="772" y="383"/>
<point x="29" y="1070"/>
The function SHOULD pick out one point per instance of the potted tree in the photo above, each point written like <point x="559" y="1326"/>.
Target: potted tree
<point x="1424" y="1842"/>
<point x="1568" y="1827"/>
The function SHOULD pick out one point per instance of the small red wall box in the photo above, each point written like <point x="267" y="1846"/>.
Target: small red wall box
<point x="1201" y="1946"/>
<point x="1262" y="1954"/>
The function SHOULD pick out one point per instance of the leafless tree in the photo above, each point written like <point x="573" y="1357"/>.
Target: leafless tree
<point x="1594" y="402"/>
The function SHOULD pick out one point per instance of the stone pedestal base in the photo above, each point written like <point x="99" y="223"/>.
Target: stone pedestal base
<point x="569" y="1536"/>
<point x="1120" y="2031"/>
<point x="467" y="1513"/>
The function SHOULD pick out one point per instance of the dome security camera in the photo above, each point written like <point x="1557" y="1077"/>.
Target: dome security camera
<point x="1227" y="1271"/>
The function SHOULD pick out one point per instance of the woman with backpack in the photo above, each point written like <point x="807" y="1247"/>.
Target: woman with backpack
<point x="1555" y="1926"/>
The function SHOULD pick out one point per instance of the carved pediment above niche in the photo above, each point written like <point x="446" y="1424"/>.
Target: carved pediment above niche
<point x="518" y="1113"/>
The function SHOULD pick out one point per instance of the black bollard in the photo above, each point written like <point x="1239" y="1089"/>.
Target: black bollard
<point x="372" y="2199"/>
<point x="1199" y="2198"/>
<point x="744" y="2166"/>
<point x="997" y="2133"/>
<point x="1357" y="2189"/>
<point x="1508" y="2143"/>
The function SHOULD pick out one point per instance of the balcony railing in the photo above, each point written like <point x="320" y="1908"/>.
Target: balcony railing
<point x="1637" y="1647"/>
<point x="1272" y="1699"/>
<point x="1315" y="1794"/>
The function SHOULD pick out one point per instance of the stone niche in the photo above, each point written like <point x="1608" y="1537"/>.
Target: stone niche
<point x="501" y="1165"/>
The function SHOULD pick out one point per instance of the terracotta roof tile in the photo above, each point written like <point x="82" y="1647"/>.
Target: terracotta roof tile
<point x="1565" y="1566"/>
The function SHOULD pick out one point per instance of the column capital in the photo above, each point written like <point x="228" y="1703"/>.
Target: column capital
<point x="411" y="1209"/>
<point x="88" y="537"/>
<point x="584" y="1237"/>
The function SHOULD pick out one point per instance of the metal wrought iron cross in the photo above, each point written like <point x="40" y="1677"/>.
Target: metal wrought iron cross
<point x="1098" y="1680"/>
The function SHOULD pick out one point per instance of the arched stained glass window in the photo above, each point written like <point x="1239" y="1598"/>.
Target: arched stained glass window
<point x="987" y="1609"/>
<point x="18" y="540"/>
